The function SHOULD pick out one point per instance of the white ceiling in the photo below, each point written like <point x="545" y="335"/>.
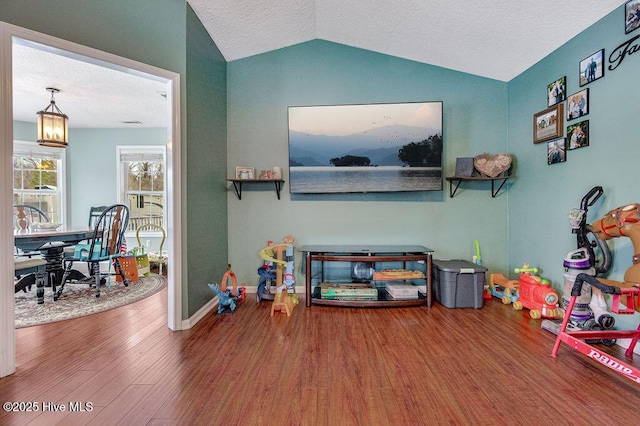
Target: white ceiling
<point x="497" y="39"/>
<point x="91" y="95"/>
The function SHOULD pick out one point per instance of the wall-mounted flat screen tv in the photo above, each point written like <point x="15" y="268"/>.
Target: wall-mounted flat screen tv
<point x="365" y="148"/>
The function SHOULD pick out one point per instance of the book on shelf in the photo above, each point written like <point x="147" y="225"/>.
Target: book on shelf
<point x="348" y="291"/>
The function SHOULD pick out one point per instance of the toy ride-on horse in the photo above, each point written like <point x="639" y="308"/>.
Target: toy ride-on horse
<point x="621" y="222"/>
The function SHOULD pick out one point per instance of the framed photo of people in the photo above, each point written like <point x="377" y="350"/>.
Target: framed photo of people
<point x="578" y="104"/>
<point x="592" y="68"/>
<point x="556" y="91"/>
<point x="578" y="135"/>
<point x="631" y="16"/>
<point x="556" y="151"/>
<point x="548" y="124"/>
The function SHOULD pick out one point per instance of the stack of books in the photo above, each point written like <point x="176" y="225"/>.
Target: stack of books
<point x="348" y="291"/>
<point x="400" y="290"/>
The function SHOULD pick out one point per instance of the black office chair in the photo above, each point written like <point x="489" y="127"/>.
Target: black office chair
<point x="105" y="245"/>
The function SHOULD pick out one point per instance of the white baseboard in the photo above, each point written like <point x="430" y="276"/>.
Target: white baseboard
<point x="193" y="320"/>
<point x="213" y="304"/>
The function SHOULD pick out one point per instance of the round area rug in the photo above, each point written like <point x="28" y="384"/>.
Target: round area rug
<point x="78" y="300"/>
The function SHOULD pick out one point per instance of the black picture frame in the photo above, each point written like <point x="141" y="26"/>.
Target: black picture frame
<point x="578" y="135"/>
<point x="557" y="91"/>
<point x="591" y="68"/>
<point x="631" y="16"/>
<point x="366" y="148"/>
<point x="556" y="151"/>
<point x="578" y="104"/>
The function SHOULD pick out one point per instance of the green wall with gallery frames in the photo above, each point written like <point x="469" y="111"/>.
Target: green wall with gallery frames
<point x="538" y="227"/>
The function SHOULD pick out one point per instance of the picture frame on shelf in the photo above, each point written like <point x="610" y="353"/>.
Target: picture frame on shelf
<point x="245" y="172"/>
<point x="548" y="123"/>
<point x="578" y="104"/>
<point x="556" y="151"/>
<point x="592" y="68"/>
<point x="557" y="91"/>
<point x="631" y="16"/>
<point x="578" y="135"/>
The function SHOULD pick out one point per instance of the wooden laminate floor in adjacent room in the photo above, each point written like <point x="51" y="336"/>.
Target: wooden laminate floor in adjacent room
<point x="321" y="366"/>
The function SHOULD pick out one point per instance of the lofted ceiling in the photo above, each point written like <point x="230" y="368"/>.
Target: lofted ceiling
<point x="497" y="39"/>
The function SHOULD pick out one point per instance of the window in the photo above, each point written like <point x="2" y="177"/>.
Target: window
<point x="141" y="179"/>
<point x="38" y="178"/>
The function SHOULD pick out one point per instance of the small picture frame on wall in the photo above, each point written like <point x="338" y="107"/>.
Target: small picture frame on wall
<point x="245" y="172"/>
<point x="592" y="68"/>
<point x="631" y="16"/>
<point x="556" y="91"/>
<point x="578" y="135"/>
<point x="578" y="104"/>
<point x="556" y="151"/>
<point x="548" y="124"/>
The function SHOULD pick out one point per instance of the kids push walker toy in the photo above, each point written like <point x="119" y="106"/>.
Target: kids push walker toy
<point x="621" y="222"/>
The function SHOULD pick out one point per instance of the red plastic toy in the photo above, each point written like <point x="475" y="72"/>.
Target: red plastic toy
<point x="536" y="294"/>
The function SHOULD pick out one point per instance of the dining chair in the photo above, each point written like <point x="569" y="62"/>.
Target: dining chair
<point x="94" y="213"/>
<point x="108" y="235"/>
<point x="159" y="257"/>
<point x="24" y="215"/>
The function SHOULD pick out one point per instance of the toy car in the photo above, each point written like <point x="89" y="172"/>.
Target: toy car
<point x="536" y="294"/>
<point x="503" y="288"/>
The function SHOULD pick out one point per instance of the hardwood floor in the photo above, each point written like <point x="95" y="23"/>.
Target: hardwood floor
<point x="321" y="366"/>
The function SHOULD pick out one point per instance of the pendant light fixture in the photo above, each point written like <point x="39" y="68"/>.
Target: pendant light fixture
<point x="52" y="124"/>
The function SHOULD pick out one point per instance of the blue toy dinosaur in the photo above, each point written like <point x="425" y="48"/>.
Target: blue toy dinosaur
<point x="226" y="299"/>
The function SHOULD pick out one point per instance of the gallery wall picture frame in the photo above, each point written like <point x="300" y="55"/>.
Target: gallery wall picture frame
<point x="578" y="135"/>
<point x="548" y="123"/>
<point x="592" y="68"/>
<point x="243" y="172"/>
<point x="556" y="151"/>
<point x="578" y="104"/>
<point x="557" y="90"/>
<point x="631" y="16"/>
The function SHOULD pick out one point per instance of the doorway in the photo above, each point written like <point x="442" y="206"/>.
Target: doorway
<point x="9" y="35"/>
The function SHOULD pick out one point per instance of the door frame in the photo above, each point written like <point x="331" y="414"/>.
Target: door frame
<point x="173" y="172"/>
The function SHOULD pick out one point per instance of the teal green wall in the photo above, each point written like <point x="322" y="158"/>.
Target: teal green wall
<point x="538" y="228"/>
<point x="260" y="89"/>
<point x="205" y="165"/>
<point x="161" y="33"/>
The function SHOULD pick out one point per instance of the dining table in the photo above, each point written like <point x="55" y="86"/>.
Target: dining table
<point x="50" y="243"/>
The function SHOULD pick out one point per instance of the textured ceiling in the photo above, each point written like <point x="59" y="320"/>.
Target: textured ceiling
<point x="497" y="39"/>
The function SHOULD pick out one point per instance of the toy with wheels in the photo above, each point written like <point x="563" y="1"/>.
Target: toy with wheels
<point x="623" y="221"/>
<point x="228" y="297"/>
<point x="536" y="294"/>
<point x="503" y="288"/>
